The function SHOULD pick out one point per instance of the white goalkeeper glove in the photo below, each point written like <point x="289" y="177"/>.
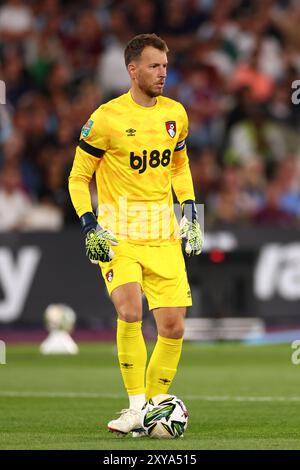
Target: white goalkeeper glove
<point x="189" y="229"/>
<point x="98" y="241"/>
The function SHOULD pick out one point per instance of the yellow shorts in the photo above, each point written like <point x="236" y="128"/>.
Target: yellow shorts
<point x="160" y="270"/>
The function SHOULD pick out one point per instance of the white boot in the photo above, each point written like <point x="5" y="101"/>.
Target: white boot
<point x="129" y="420"/>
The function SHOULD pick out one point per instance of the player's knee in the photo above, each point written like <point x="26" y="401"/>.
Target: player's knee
<point x="172" y="330"/>
<point x="129" y="313"/>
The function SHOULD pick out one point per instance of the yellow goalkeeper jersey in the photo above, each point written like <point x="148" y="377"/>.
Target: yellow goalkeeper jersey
<point x="137" y="154"/>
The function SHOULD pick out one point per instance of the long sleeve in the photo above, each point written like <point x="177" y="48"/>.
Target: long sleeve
<point x="92" y="146"/>
<point x="181" y="177"/>
<point x="84" y="166"/>
<point x="180" y="172"/>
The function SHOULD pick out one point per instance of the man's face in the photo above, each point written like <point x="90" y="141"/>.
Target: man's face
<point x="150" y="71"/>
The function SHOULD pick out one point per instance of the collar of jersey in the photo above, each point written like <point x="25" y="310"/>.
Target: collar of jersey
<point x="145" y="108"/>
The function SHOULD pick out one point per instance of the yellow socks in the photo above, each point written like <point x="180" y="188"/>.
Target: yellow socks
<point x="132" y="356"/>
<point x="163" y="365"/>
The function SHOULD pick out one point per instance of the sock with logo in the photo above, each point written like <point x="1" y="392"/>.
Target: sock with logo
<point x="163" y="365"/>
<point x="132" y="356"/>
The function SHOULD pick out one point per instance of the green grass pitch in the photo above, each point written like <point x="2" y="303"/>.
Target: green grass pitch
<point x="238" y="396"/>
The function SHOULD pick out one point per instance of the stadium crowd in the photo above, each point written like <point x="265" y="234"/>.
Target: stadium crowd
<point x="231" y="63"/>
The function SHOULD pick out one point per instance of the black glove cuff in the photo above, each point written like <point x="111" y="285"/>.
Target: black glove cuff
<point x="88" y="222"/>
<point x="189" y="209"/>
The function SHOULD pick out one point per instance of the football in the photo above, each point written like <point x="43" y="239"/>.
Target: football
<point x="164" y="417"/>
<point x="60" y="317"/>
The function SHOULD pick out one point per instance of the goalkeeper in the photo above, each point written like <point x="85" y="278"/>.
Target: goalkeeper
<point x="135" y="146"/>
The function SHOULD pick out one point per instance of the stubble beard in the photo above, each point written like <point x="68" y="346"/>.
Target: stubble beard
<point x="150" y="92"/>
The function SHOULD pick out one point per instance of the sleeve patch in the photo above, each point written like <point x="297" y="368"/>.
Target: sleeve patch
<point x="85" y="131"/>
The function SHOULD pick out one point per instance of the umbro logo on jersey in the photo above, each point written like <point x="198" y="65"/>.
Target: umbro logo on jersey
<point x="131" y="132"/>
<point x="171" y="128"/>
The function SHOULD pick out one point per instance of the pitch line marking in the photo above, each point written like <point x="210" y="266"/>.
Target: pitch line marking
<point x="33" y="394"/>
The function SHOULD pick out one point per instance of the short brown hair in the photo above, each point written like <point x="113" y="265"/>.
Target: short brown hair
<point x="137" y="44"/>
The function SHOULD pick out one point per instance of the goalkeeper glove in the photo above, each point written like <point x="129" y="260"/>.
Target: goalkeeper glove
<point x="97" y="239"/>
<point x="189" y="229"/>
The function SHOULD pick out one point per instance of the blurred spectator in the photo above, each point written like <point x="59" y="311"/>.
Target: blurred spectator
<point x="83" y="45"/>
<point x="13" y="149"/>
<point x="112" y="74"/>
<point x="43" y="216"/>
<point x="271" y="213"/>
<point x="15" y="76"/>
<point x="16" y="20"/>
<point x="14" y="203"/>
<point x="255" y="136"/>
<point x="288" y="23"/>
<point x="249" y="75"/>
<point x="254" y="184"/>
<point x="5" y="125"/>
<point x="143" y="16"/>
<point x="287" y="180"/>
<point x="206" y="173"/>
<point x="199" y="93"/>
<point x="231" y="205"/>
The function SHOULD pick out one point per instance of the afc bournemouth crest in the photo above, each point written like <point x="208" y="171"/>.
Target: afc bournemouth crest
<point x="109" y="275"/>
<point x="171" y="128"/>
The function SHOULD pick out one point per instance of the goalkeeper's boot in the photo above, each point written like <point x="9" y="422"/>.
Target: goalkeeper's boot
<point x="129" y="420"/>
